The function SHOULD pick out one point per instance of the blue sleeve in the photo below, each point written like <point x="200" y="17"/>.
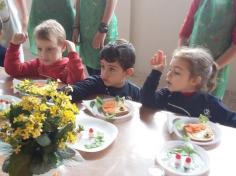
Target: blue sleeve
<point x="88" y="87"/>
<point x="149" y="96"/>
<point x="220" y="113"/>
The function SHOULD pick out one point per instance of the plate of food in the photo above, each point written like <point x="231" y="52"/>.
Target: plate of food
<point x="115" y="108"/>
<point x="94" y="134"/>
<point x="7" y="100"/>
<point x="179" y="158"/>
<point x="34" y="87"/>
<point x="198" y="130"/>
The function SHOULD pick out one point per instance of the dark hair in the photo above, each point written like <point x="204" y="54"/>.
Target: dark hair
<point x="121" y="51"/>
<point x="201" y="64"/>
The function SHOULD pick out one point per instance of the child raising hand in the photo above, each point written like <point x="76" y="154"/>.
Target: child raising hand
<point x="191" y="76"/>
<point x="51" y="43"/>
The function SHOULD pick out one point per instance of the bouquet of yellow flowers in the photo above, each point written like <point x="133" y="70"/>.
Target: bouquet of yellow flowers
<point x="38" y="129"/>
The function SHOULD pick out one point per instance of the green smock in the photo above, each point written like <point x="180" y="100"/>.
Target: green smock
<point x="213" y="24"/>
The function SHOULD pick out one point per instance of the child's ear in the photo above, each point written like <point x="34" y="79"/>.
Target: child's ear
<point x="196" y="81"/>
<point x="130" y="71"/>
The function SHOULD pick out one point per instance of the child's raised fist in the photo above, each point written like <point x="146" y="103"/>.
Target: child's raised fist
<point x="70" y="46"/>
<point x="158" y="61"/>
<point x="19" y="38"/>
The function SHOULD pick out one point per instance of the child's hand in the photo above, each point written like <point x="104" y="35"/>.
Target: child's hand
<point x="158" y="61"/>
<point x="70" y="46"/>
<point x="19" y="38"/>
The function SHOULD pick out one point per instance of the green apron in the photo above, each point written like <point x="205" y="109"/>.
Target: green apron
<point x="213" y="25"/>
<point x="91" y="13"/>
<point x="60" y="10"/>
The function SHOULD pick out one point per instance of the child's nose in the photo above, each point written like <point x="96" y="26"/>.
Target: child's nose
<point x="103" y="75"/>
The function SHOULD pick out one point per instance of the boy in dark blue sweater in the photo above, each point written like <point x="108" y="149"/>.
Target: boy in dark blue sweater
<point x="117" y="61"/>
<point x="191" y="77"/>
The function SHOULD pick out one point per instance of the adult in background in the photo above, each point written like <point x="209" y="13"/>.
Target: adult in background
<point x="211" y="24"/>
<point x="95" y="25"/>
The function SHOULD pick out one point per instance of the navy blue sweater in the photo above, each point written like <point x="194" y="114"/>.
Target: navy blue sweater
<point x="94" y="85"/>
<point x="191" y="105"/>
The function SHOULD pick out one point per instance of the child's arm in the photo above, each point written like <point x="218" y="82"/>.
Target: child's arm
<point x="220" y="112"/>
<point x="12" y="63"/>
<point x="149" y="96"/>
<point x="93" y="85"/>
<point x="99" y="38"/>
<point x="75" y="69"/>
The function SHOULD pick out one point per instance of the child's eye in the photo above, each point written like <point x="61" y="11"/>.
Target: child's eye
<point x="49" y="49"/>
<point x="39" y="49"/>
<point x="111" y="69"/>
<point x="176" y="73"/>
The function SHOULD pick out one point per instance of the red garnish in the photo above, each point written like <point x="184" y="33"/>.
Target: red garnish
<point x="178" y="156"/>
<point x="90" y="130"/>
<point x="188" y="160"/>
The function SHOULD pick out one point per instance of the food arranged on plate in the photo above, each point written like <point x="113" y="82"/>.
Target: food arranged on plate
<point x="200" y="130"/>
<point x="109" y="108"/>
<point x="94" y="134"/>
<point x="34" y="87"/>
<point x="183" y="158"/>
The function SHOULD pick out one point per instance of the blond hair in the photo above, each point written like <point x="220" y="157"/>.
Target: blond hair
<point x="50" y="29"/>
<point x="201" y="64"/>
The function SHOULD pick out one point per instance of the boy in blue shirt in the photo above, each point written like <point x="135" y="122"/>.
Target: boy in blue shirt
<point x="117" y="60"/>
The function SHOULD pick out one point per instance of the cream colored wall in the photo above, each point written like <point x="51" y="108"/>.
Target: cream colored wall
<point x="155" y="25"/>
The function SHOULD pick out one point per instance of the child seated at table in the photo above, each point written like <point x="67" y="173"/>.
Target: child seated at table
<point x="190" y="79"/>
<point x="51" y="43"/>
<point x="117" y="60"/>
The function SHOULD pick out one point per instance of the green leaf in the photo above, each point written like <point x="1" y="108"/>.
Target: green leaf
<point x="19" y="165"/>
<point x="63" y="131"/>
<point x="66" y="153"/>
<point x="203" y="118"/>
<point x="43" y="140"/>
<point x="179" y="124"/>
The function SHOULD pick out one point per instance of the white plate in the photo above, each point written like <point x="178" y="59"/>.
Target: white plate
<point x="180" y="133"/>
<point x="109" y="131"/>
<point x="9" y="98"/>
<point x="98" y="114"/>
<point x="200" y="160"/>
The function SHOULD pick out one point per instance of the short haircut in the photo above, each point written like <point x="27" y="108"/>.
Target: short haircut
<point x="121" y="51"/>
<point x="50" y="29"/>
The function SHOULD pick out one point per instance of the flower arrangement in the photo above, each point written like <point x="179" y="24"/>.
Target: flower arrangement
<point x="38" y="129"/>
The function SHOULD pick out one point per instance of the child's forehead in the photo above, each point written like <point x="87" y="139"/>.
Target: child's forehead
<point x="112" y="64"/>
<point x="179" y="63"/>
